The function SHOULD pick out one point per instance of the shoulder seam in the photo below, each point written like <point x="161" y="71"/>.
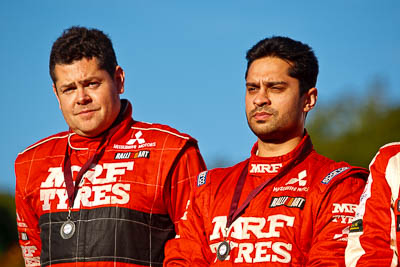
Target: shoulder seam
<point x="390" y="144"/>
<point x="42" y="142"/>
<point x="161" y="130"/>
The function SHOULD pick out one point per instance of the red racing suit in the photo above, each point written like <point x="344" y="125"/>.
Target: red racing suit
<point x="299" y="219"/>
<point x="374" y="235"/>
<point x="127" y="204"/>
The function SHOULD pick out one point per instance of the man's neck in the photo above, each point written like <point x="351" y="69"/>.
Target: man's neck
<point x="275" y="149"/>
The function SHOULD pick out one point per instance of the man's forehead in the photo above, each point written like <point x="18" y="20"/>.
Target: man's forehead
<point x="77" y="70"/>
<point x="268" y="69"/>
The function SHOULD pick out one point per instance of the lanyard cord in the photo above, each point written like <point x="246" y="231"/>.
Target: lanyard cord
<point x="234" y="211"/>
<point x="72" y="189"/>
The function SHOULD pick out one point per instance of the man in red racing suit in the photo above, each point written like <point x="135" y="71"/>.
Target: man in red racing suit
<point x="126" y="206"/>
<point x="300" y="219"/>
<point x="374" y="238"/>
<point x="286" y="205"/>
<point x="135" y="177"/>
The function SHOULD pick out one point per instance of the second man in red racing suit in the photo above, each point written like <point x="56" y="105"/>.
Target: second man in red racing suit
<point x="286" y="205"/>
<point x="300" y="219"/>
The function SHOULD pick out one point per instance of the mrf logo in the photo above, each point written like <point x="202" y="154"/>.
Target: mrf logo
<point x="244" y="234"/>
<point x="265" y="168"/>
<point x="343" y="212"/>
<point x="100" y="186"/>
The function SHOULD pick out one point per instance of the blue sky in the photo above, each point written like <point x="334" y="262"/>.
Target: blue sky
<point x="185" y="60"/>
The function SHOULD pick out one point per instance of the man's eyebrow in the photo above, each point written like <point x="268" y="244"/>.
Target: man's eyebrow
<point x="67" y="85"/>
<point x="254" y="84"/>
<point x="267" y="83"/>
<point x="273" y="83"/>
<point x="86" y="80"/>
<point x="89" y="79"/>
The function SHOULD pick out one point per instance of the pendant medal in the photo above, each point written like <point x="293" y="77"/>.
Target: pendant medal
<point x="67" y="229"/>
<point x="223" y="250"/>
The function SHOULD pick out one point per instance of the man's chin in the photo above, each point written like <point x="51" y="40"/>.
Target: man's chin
<point x="88" y="132"/>
<point x="269" y="135"/>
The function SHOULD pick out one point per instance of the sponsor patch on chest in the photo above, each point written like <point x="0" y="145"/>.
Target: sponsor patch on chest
<point x="132" y="155"/>
<point x="287" y="201"/>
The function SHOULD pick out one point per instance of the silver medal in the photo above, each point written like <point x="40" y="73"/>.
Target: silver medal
<point x="223" y="250"/>
<point x="67" y="229"/>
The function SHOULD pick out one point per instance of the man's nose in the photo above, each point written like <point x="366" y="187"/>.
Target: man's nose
<point x="83" y="97"/>
<point x="262" y="97"/>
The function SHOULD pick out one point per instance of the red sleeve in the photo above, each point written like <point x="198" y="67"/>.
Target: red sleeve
<point x="27" y="223"/>
<point x="372" y="238"/>
<point x="182" y="178"/>
<point x="332" y="217"/>
<point x="187" y="249"/>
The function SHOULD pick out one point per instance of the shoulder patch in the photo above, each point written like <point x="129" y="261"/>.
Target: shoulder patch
<point x="201" y="179"/>
<point x="332" y="174"/>
<point x="356" y="226"/>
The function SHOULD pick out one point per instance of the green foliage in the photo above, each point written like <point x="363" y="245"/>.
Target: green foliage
<point x="8" y="225"/>
<point x="352" y="129"/>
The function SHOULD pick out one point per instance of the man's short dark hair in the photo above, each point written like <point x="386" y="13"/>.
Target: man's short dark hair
<point x="304" y="63"/>
<point x="79" y="42"/>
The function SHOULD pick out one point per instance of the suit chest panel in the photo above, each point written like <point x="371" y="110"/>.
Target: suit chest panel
<point x="270" y="229"/>
<point x="125" y="178"/>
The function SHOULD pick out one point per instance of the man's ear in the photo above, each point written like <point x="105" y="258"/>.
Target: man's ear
<point x="119" y="79"/>
<point x="310" y="99"/>
<point x="56" y="93"/>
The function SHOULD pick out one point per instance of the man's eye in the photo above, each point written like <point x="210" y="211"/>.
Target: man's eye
<point x="251" y="89"/>
<point x="93" y="84"/>
<point x="68" y="89"/>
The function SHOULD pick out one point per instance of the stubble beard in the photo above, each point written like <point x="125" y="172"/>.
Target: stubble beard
<point x="271" y="130"/>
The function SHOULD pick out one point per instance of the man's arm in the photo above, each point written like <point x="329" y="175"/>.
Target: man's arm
<point x="186" y="249"/>
<point x="332" y="214"/>
<point x="28" y="230"/>
<point x="372" y="238"/>
<point x="183" y="175"/>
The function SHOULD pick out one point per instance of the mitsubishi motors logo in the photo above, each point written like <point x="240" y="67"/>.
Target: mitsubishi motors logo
<point x="301" y="176"/>
<point x="138" y="138"/>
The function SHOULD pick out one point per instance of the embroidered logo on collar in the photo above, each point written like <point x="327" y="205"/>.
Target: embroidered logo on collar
<point x="265" y="168"/>
<point x="301" y="176"/>
<point x="138" y="138"/>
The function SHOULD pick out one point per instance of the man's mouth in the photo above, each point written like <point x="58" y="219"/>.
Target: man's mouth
<point x="86" y="112"/>
<point x="262" y="115"/>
